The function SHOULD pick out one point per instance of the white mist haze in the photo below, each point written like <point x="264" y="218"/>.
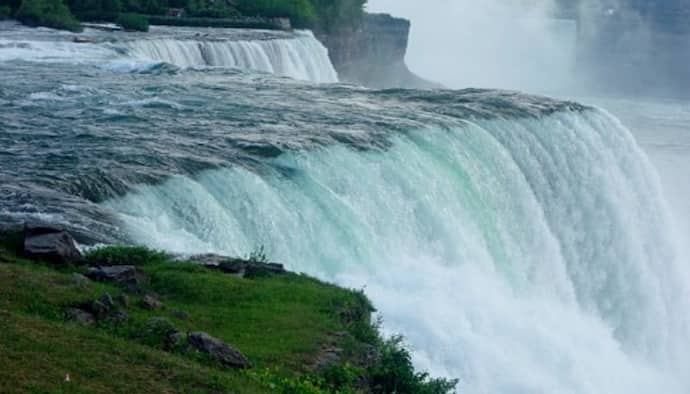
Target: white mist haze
<point x="488" y="44"/>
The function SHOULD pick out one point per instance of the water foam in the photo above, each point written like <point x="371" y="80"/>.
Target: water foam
<point x="300" y="56"/>
<point x="521" y="256"/>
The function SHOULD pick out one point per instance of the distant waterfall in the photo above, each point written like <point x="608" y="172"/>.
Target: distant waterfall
<point x="302" y="57"/>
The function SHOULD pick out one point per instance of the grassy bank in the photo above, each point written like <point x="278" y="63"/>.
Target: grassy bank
<point x="300" y="335"/>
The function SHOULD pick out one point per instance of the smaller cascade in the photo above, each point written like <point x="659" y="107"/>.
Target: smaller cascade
<point x="301" y="57"/>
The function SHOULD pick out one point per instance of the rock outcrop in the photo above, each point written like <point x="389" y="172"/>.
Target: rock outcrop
<point x="373" y="53"/>
<point x="239" y="267"/>
<point x="49" y="243"/>
<point x="123" y="275"/>
<point x="217" y="350"/>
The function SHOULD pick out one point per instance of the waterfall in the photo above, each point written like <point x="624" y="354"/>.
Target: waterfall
<point x="301" y="57"/>
<point x="521" y="255"/>
<point x="297" y="55"/>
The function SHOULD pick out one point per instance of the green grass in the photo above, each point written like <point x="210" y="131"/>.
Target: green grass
<point x="36" y="354"/>
<point x="277" y="322"/>
<point x="280" y="322"/>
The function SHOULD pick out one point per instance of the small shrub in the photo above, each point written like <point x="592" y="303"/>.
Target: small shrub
<point x="125" y="255"/>
<point x="133" y="22"/>
<point x="157" y="332"/>
<point x="394" y="373"/>
<point x="258" y="256"/>
<point x="342" y="377"/>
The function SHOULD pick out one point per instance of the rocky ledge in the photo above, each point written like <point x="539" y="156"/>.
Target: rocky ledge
<point x="373" y="53"/>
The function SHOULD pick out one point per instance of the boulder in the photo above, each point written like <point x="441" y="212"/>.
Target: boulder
<point x="107" y="300"/>
<point x="123" y="300"/>
<point x="120" y="274"/>
<point x="117" y="316"/>
<point x="80" y="316"/>
<point x="217" y="350"/>
<point x="80" y="280"/>
<point x="174" y="340"/>
<point x="49" y="243"/>
<point x="180" y="315"/>
<point x="151" y="302"/>
<point x="99" y="309"/>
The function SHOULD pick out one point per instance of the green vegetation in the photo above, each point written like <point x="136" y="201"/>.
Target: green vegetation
<point x="50" y="13"/>
<point x="125" y="255"/>
<point x="332" y="15"/>
<point x="245" y="23"/>
<point x="5" y="12"/>
<point x="325" y="15"/>
<point x="282" y="323"/>
<point x="302" y="13"/>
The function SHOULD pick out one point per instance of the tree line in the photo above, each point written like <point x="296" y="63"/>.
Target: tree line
<point x="322" y="15"/>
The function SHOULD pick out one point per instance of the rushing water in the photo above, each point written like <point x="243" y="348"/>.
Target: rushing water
<point x="521" y="244"/>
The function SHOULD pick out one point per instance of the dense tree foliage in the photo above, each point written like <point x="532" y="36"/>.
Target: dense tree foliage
<point x="323" y="15"/>
<point x="133" y="22"/>
<point x="5" y="12"/>
<point x="50" y="13"/>
<point x="333" y="14"/>
<point x="301" y="12"/>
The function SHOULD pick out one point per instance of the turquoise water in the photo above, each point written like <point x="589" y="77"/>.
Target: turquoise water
<point x="521" y="244"/>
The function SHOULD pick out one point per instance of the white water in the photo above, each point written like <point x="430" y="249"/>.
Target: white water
<point x="302" y="57"/>
<point x="299" y="56"/>
<point x="522" y="256"/>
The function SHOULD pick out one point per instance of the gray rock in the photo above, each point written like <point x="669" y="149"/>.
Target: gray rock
<point x="80" y="316"/>
<point x="174" y="340"/>
<point x="239" y="267"/>
<point x="217" y="350"/>
<point x="99" y="309"/>
<point x="49" y="243"/>
<point x="121" y="274"/>
<point x="328" y="355"/>
<point x="107" y="300"/>
<point x="80" y="280"/>
<point x="123" y="300"/>
<point x="151" y="302"/>
<point x="179" y="315"/>
<point x="118" y="316"/>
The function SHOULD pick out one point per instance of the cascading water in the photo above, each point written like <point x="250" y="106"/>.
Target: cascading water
<point x="522" y="255"/>
<point x="521" y="244"/>
<point x="297" y="55"/>
<point x="302" y="57"/>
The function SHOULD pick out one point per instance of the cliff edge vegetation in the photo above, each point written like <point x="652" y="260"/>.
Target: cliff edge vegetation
<point x="63" y="14"/>
<point x="128" y="319"/>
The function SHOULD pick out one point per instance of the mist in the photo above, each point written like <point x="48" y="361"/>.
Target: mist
<point x="488" y="44"/>
<point x="535" y="46"/>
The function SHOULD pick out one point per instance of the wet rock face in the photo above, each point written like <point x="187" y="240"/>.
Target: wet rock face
<point x="373" y="53"/>
<point x="218" y="350"/>
<point x="49" y="243"/>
